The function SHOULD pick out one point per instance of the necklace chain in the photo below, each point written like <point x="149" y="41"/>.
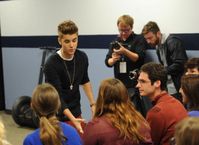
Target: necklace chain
<point x="68" y="74"/>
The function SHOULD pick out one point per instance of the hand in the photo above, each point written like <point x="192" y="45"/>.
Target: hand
<point x="115" y="57"/>
<point x="120" y="51"/>
<point x="77" y="123"/>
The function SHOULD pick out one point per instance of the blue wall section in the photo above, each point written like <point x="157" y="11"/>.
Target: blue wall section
<point x="22" y="59"/>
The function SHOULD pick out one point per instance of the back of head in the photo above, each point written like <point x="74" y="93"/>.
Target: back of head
<point x="45" y="102"/>
<point x="67" y="27"/>
<point x="187" y="131"/>
<point x="112" y="102"/>
<point x="150" y="27"/>
<point x="190" y="85"/>
<point x="112" y="93"/>
<point x="126" y="19"/>
<point x="155" y="72"/>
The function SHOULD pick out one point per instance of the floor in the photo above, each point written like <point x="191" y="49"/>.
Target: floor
<point x="15" y="134"/>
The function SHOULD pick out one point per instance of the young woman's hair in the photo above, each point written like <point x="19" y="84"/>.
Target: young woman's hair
<point x="190" y="85"/>
<point x="113" y="102"/>
<point x="187" y="131"/>
<point x="45" y="102"/>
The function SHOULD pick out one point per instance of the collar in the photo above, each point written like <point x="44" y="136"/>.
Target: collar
<point x="163" y="39"/>
<point x="157" y="98"/>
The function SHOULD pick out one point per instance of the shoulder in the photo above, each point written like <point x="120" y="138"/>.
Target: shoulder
<point x="32" y="138"/>
<point x="173" y="39"/>
<point x="71" y="134"/>
<point x="98" y="124"/>
<point x="194" y="113"/>
<point x="67" y="127"/>
<point x="53" y="58"/>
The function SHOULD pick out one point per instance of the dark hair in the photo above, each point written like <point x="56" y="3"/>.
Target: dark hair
<point x="156" y="72"/>
<point x="150" y="27"/>
<point x="67" y="27"/>
<point x="192" y="63"/>
<point x="190" y="85"/>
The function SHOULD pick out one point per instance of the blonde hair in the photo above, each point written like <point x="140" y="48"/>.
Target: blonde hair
<point x="3" y="140"/>
<point x="45" y="102"/>
<point x="2" y="133"/>
<point x="112" y="102"/>
<point x="126" y="19"/>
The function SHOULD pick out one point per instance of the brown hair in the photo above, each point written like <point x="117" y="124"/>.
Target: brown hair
<point x="186" y="131"/>
<point x="67" y="27"/>
<point x="126" y="19"/>
<point x="192" y="63"/>
<point x="112" y="102"/>
<point x="45" y="102"/>
<point x="190" y="85"/>
<point x="150" y="27"/>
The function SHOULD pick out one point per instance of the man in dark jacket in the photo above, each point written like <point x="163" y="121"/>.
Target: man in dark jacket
<point x="171" y="53"/>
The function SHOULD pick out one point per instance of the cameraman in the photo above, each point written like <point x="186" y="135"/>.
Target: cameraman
<point x="126" y="57"/>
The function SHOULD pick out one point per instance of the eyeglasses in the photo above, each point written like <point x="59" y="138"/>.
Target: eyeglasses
<point x="140" y="81"/>
<point x="124" y="30"/>
<point x="172" y="141"/>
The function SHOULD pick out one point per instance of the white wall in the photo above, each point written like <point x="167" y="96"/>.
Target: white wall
<point x="41" y="17"/>
<point x="93" y="17"/>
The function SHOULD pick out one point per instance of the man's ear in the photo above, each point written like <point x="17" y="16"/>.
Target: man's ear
<point x="59" y="40"/>
<point x="157" y="83"/>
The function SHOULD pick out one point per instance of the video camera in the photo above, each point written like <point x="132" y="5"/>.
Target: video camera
<point x="116" y="45"/>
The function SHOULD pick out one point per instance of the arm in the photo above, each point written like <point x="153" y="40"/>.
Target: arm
<point x="75" y="121"/>
<point x="157" y="124"/>
<point x="89" y="93"/>
<point x="177" y="54"/>
<point x="131" y="55"/>
<point x="136" y="49"/>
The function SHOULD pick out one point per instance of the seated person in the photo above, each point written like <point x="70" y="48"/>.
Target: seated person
<point x="166" y="110"/>
<point x="192" y="66"/>
<point x="115" y="120"/>
<point x="190" y="93"/>
<point x="45" y="103"/>
<point x="187" y="131"/>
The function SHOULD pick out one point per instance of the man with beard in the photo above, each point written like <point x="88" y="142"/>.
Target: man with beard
<point x="171" y="53"/>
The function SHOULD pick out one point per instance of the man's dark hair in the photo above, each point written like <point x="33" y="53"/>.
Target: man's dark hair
<point x="192" y="63"/>
<point x="155" y="72"/>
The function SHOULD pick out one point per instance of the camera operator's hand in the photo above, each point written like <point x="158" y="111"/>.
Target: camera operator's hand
<point x="121" y="50"/>
<point x="115" y="57"/>
<point x="124" y="51"/>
